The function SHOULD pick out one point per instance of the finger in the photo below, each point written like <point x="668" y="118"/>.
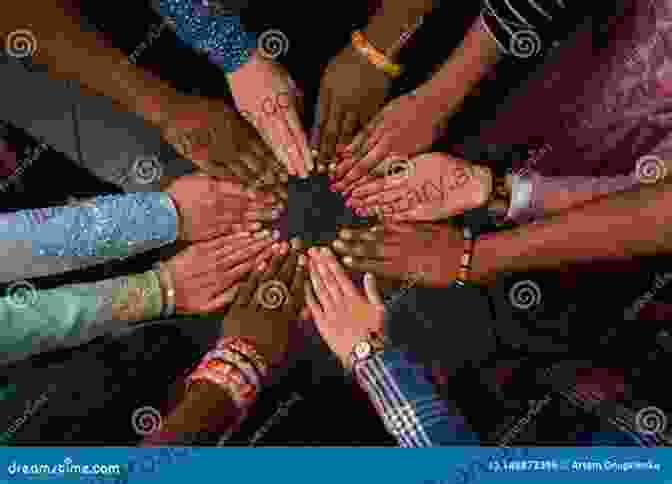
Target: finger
<point x="273" y="134"/>
<point x="286" y="272"/>
<point x="320" y="288"/>
<point x="393" y="196"/>
<point x="371" y="290"/>
<point x="246" y="227"/>
<point x="266" y="215"/>
<point x="358" y="249"/>
<point x="321" y="116"/>
<point x="243" y="173"/>
<point x="315" y="309"/>
<point x="381" y="268"/>
<point x="248" y="288"/>
<point x="242" y="254"/>
<point x="223" y="300"/>
<point x="234" y="275"/>
<point x="214" y="169"/>
<point x="332" y="132"/>
<point x="227" y="240"/>
<point x="230" y="189"/>
<point x="329" y="280"/>
<point x="265" y="256"/>
<point x="378" y="185"/>
<point x="341" y="278"/>
<point x="296" y="299"/>
<point x="254" y="164"/>
<point x="276" y="263"/>
<point x="305" y="312"/>
<point x="303" y="152"/>
<point x="349" y="127"/>
<point x="370" y="161"/>
<point x="422" y="213"/>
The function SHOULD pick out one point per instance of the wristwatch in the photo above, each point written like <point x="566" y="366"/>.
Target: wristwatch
<point x="365" y="349"/>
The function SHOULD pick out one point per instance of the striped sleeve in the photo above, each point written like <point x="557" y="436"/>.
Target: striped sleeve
<point x="523" y="28"/>
<point x="406" y="399"/>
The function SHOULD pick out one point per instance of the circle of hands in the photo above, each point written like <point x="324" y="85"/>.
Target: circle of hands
<point x="245" y="160"/>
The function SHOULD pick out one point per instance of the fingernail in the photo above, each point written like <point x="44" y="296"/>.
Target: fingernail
<point x="326" y="251"/>
<point x="312" y="251"/>
<point x="255" y="226"/>
<point x="302" y="260"/>
<point x="348" y="260"/>
<point x="296" y="243"/>
<point x="332" y="167"/>
<point x="276" y="246"/>
<point x="284" y="248"/>
<point x="345" y="234"/>
<point x="275" y="214"/>
<point x="275" y="235"/>
<point x="262" y="266"/>
<point x="262" y="235"/>
<point x="338" y="244"/>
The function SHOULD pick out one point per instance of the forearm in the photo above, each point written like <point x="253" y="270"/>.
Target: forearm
<point x="406" y="400"/>
<point x="624" y="225"/>
<point x="393" y="19"/>
<point x="37" y="321"/>
<point x="465" y="67"/>
<point x="60" y="239"/>
<point x="71" y="52"/>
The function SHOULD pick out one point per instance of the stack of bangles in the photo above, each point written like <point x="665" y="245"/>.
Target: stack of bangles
<point x="237" y="367"/>
<point x="375" y="56"/>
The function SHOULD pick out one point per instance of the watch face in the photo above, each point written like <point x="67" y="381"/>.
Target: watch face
<point x="363" y="349"/>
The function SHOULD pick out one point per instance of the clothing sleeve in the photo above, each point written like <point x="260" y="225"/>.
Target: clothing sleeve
<point x="34" y="321"/>
<point x="523" y="28"/>
<point x="406" y="399"/>
<point x="222" y="37"/>
<point x="45" y="241"/>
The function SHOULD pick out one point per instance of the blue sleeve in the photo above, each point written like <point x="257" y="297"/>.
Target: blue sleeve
<point x="223" y="37"/>
<point x="406" y="399"/>
<point x="54" y="240"/>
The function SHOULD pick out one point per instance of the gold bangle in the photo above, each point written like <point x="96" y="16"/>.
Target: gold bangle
<point x="374" y="56"/>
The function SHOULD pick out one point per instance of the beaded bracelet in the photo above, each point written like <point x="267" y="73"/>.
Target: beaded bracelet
<point x="374" y="56"/>
<point x="246" y="348"/>
<point x="230" y="378"/>
<point x="465" y="266"/>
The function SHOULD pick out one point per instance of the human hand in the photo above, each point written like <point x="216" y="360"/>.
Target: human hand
<point x="431" y="187"/>
<point x="209" y="207"/>
<point x="397" y="251"/>
<point x="266" y="95"/>
<point x="212" y="135"/>
<point x="405" y="126"/>
<point x="343" y="315"/>
<point x="352" y="91"/>
<point x="205" y="274"/>
<point x="268" y="304"/>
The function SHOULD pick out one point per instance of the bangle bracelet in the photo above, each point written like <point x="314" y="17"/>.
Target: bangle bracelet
<point x="231" y="356"/>
<point x="229" y="377"/>
<point x="374" y="56"/>
<point x="168" y="286"/>
<point x="248" y="349"/>
<point x="465" y="264"/>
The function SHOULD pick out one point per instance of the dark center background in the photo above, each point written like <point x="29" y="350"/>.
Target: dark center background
<point x="314" y="213"/>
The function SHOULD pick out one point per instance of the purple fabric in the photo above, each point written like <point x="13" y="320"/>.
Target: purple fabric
<point x="597" y="111"/>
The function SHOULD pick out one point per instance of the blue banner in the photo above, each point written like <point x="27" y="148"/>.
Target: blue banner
<point x="447" y="465"/>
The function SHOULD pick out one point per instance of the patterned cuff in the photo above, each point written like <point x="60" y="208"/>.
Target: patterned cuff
<point x="138" y="298"/>
<point x="406" y="399"/>
<point x="221" y="37"/>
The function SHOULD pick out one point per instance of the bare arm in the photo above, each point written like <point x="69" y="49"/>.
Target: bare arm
<point x="623" y="225"/>
<point x="73" y="53"/>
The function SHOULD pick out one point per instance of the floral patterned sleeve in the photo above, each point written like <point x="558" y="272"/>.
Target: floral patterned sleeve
<point x="61" y="239"/>
<point x="33" y="321"/>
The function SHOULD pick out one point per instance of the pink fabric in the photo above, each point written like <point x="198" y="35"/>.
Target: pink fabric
<point x="598" y="111"/>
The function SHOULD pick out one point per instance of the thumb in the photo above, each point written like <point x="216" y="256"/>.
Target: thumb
<point x="371" y="290"/>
